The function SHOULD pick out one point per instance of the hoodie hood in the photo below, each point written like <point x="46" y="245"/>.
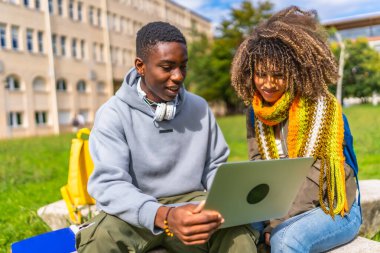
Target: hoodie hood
<point x="128" y="94"/>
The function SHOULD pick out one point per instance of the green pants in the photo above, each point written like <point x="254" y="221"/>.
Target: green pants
<point x="107" y="233"/>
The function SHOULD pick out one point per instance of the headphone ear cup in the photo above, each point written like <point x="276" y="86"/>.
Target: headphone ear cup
<point x="170" y="111"/>
<point x="160" y="112"/>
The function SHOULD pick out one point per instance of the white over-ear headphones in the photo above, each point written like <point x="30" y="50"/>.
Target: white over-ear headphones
<point x="163" y="110"/>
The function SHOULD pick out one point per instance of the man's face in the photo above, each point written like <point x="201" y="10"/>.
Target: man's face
<point x="163" y="71"/>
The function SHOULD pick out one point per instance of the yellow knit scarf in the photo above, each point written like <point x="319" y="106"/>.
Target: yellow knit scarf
<point x="315" y="130"/>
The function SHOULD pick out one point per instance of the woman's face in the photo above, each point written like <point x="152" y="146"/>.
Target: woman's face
<point x="270" y="84"/>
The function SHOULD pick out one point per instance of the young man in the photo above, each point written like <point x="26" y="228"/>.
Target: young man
<point x="155" y="144"/>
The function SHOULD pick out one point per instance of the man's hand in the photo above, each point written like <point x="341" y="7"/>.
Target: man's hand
<point x="193" y="225"/>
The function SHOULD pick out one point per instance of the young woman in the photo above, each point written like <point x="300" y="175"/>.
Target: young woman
<point x="282" y="70"/>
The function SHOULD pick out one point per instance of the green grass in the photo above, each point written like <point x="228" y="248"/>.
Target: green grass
<point x="32" y="170"/>
<point x="376" y="237"/>
<point x="234" y="131"/>
<point x="365" y="125"/>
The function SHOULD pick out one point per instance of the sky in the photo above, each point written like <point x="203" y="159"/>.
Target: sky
<point x="216" y="10"/>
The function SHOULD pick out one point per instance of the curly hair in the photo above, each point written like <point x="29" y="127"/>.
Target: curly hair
<point x="294" y="42"/>
<point x="152" y="33"/>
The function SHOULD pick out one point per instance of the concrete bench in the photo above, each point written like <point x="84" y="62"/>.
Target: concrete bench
<point x="370" y="201"/>
<point x="359" y="245"/>
<point x="56" y="216"/>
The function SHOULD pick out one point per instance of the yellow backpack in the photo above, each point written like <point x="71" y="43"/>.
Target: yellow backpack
<point x="80" y="168"/>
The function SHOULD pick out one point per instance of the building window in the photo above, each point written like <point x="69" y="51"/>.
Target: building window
<point x="3" y="40"/>
<point x="61" y="85"/>
<point x="124" y="56"/>
<point x="82" y="49"/>
<point x="41" y="118"/>
<point x="94" y="51"/>
<point x="99" y="15"/>
<point x="79" y="8"/>
<point x="84" y="116"/>
<point x="37" y="4"/>
<point x="64" y="117"/>
<point x="26" y="3"/>
<point x="114" y="54"/>
<point x="15" y="37"/>
<point x="54" y="43"/>
<point x="14" y="119"/>
<point x="39" y="84"/>
<point x="117" y="56"/>
<point x="29" y="40"/>
<point x="81" y="86"/>
<point x="60" y="9"/>
<point x="375" y="30"/>
<point x="50" y="3"/>
<point x="63" y="45"/>
<point x="12" y="83"/>
<point x="110" y="21"/>
<point x="40" y="38"/>
<point x="91" y="15"/>
<point x="74" y="48"/>
<point x="101" y="53"/>
<point x="71" y="9"/>
<point x="122" y="24"/>
<point x="116" y="23"/>
<point x="101" y="87"/>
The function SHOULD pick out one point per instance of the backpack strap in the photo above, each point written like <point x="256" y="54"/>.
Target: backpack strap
<point x="251" y="116"/>
<point x="83" y="131"/>
<point x="348" y="150"/>
<point x="350" y="156"/>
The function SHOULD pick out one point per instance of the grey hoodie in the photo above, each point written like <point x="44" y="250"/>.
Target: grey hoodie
<point x="138" y="160"/>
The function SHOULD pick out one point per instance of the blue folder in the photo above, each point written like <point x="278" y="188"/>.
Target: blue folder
<point x="58" y="241"/>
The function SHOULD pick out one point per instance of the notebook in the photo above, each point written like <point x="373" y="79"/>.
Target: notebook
<point x="58" y="241"/>
<point x="251" y="191"/>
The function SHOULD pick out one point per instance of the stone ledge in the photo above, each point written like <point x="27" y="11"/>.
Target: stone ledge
<point x="370" y="202"/>
<point x="56" y="216"/>
<point x="358" y="245"/>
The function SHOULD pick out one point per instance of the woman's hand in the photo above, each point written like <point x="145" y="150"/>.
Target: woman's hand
<point x="267" y="238"/>
<point x="193" y="225"/>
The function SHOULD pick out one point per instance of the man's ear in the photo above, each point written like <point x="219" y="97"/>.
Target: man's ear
<point x="140" y="66"/>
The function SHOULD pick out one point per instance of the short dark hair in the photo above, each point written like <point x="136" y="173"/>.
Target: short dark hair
<point x="152" y="33"/>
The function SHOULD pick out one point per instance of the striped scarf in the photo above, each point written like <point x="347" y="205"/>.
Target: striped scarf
<point x="315" y="130"/>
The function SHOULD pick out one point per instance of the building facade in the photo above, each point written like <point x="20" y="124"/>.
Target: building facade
<point x="63" y="58"/>
<point x="350" y="28"/>
<point x="365" y="25"/>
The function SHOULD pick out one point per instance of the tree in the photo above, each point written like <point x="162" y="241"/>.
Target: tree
<point x="210" y="62"/>
<point x="361" y="76"/>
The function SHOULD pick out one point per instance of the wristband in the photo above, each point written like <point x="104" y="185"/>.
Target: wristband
<point x="166" y="224"/>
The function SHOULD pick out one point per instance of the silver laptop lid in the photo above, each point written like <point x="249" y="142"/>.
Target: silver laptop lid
<point x="250" y="191"/>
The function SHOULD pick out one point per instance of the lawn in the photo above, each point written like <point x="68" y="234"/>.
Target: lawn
<point x="31" y="172"/>
<point x="33" y="169"/>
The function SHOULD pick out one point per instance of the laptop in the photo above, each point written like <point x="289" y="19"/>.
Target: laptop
<point x="251" y="191"/>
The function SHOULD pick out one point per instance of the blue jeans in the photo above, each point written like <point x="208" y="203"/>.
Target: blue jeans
<point x="314" y="231"/>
